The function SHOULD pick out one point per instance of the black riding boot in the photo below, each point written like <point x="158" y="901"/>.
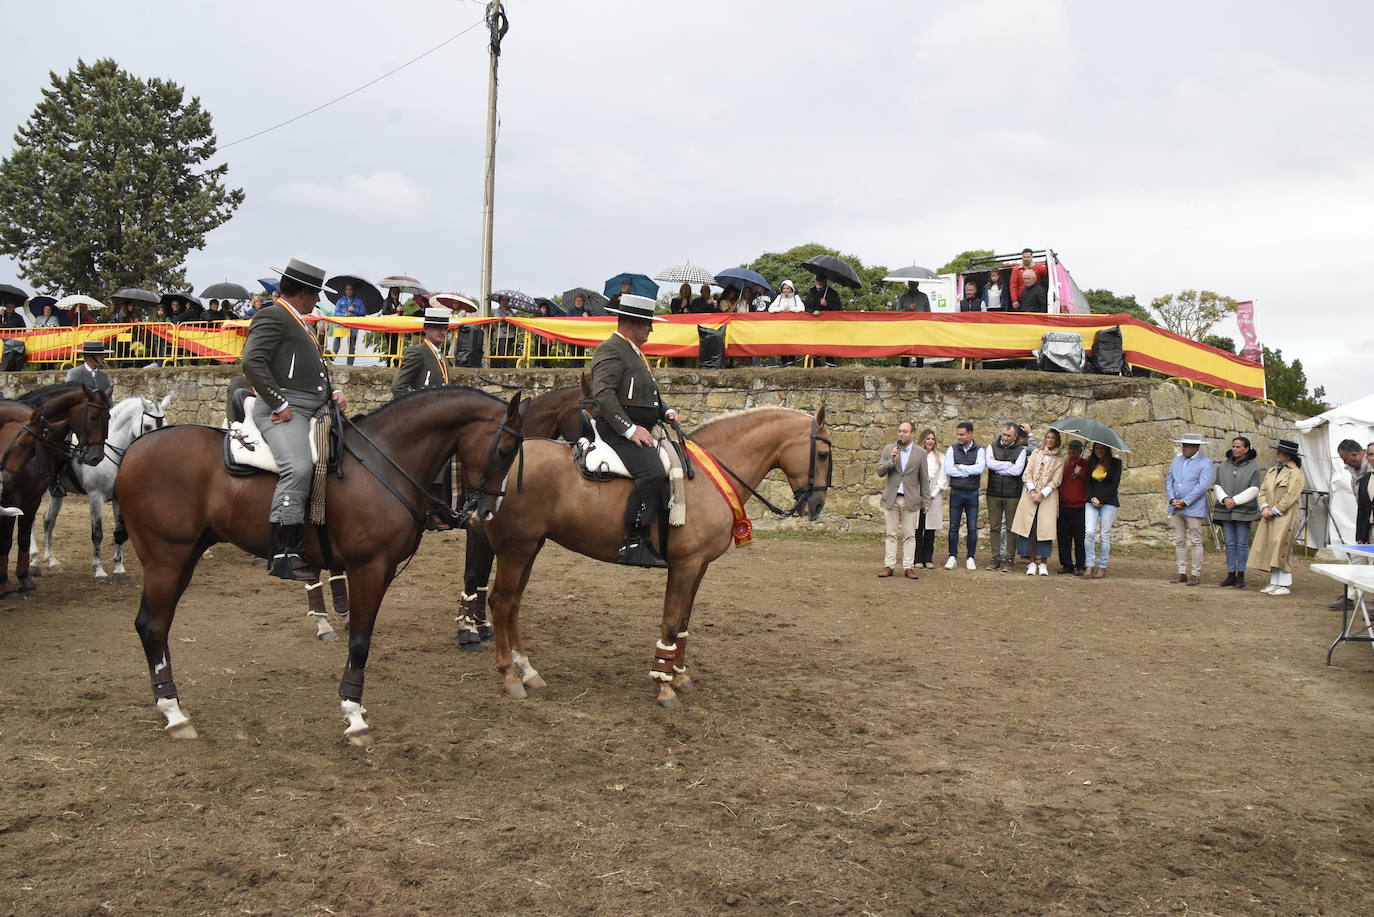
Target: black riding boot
<point x="286" y="561"/>
<point x="638" y="552"/>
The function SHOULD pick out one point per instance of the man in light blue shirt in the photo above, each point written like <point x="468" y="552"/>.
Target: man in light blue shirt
<point x="350" y="306"/>
<point x="965" y="463"/>
<point x="1185" y="487"/>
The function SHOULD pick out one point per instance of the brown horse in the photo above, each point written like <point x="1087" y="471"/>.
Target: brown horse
<point x="556" y="413"/>
<point x="68" y="408"/>
<point x="585" y="516"/>
<point x="178" y="500"/>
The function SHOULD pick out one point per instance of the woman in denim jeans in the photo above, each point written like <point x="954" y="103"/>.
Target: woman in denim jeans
<point x="1237" y="490"/>
<point x="1104" y="480"/>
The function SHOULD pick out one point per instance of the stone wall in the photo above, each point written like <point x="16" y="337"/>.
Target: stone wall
<point x="864" y="406"/>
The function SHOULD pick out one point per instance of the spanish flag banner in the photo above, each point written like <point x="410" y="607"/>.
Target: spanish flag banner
<point x="61" y="344"/>
<point x="976" y="335"/>
<point x="743" y="529"/>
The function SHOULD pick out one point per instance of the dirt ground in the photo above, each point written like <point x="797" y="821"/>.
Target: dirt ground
<point x="972" y="743"/>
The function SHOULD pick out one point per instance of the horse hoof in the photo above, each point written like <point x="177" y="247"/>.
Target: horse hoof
<point x="535" y="681"/>
<point x="27" y="590"/>
<point x="38" y="571"/>
<point x="685" y="687"/>
<point x="182" y="731"/>
<point x="103" y="580"/>
<point x="360" y="740"/>
<point x="327" y="637"/>
<point x="516" y="691"/>
<point x="468" y="641"/>
<point x="669" y="703"/>
<point x="486" y="632"/>
<point x="121" y="577"/>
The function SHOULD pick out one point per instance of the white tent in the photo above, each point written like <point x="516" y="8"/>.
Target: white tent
<point x="1319" y="436"/>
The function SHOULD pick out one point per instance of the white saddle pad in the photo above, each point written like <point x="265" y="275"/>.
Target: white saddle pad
<point x="247" y="447"/>
<point x="602" y="459"/>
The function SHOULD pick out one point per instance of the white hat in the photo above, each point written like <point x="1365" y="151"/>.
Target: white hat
<point x="1191" y="439"/>
<point x="437" y="317"/>
<point x="632" y="306"/>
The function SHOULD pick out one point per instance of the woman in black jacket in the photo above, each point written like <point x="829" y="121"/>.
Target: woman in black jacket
<point x="1238" y="479"/>
<point x="1101" y="487"/>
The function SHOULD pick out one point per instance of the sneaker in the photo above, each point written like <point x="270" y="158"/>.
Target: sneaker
<point x="951" y="563"/>
<point x="1030" y="569"/>
<point x="995" y="565"/>
<point x="1044" y="571"/>
<point x="1268" y="590"/>
<point x="1281" y="590"/>
<point x="970" y="564"/>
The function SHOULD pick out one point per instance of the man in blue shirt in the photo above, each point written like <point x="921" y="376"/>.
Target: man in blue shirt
<point x="350" y="306"/>
<point x="1185" y="487"/>
<point x="965" y="463"/>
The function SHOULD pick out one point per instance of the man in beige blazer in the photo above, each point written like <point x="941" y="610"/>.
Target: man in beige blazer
<point x="906" y="492"/>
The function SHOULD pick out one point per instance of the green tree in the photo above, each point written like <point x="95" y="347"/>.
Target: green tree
<point x="779" y="266"/>
<point x="106" y="186"/>
<point x="1105" y="302"/>
<point x="1220" y="342"/>
<point x="1192" y="313"/>
<point x="1286" y="384"/>
<point x="959" y="263"/>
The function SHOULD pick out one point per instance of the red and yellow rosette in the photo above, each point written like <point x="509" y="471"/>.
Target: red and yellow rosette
<point x="742" y="530"/>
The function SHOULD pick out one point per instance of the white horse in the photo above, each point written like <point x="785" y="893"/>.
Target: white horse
<point x="129" y="419"/>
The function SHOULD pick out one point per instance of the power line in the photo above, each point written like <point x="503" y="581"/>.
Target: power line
<point x="352" y="92"/>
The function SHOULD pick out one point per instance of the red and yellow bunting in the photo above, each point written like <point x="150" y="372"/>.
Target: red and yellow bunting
<point x="742" y="530"/>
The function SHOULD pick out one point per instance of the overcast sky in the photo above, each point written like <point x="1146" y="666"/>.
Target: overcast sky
<point x="1156" y="147"/>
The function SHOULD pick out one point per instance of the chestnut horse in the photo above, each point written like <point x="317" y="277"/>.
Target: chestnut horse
<point x="556" y="413"/>
<point x="68" y="408"/>
<point x="585" y="516"/>
<point x="178" y="500"/>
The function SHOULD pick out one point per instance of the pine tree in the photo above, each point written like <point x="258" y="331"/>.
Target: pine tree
<point x="106" y="186"/>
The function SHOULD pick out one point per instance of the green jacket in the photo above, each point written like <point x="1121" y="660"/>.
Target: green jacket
<point x="281" y="355"/>
<point x="622" y="379"/>
<point x="419" y="369"/>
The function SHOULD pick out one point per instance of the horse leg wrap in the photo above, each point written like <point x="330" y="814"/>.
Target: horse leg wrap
<point x="164" y="688"/>
<point x="351" y="686"/>
<point x="682" y="636"/>
<point x="315" y="598"/>
<point x="473" y="626"/>
<point x="665" y="657"/>
<point x="338" y="591"/>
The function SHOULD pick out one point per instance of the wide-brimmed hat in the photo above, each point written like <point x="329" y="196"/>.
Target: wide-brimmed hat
<point x="631" y="306"/>
<point x="93" y="349"/>
<point x="304" y="273"/>
<point x="1191" y="439"/>
<point x="1288" y="447"/>
<point x="437" y="317"/>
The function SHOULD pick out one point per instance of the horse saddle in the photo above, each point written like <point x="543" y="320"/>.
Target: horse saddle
<point x="246" y="452"/>
<point x="599" y="462"/>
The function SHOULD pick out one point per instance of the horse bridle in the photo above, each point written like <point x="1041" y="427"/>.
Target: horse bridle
<point x="159" y="420"/>
<point x="801" y="494"/>
<point x="482" y="489"/>
<point x="39" y="435"/>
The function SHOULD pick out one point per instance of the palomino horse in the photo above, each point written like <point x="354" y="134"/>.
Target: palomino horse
<point x="129" y="419"/>
<point x="557" y="502"/>
<point x="178" y="500"/>
<point x="556" y="413"/>
<point x="68" y="408"/>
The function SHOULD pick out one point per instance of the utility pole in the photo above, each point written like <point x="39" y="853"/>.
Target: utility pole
<point x="498" y="24"/>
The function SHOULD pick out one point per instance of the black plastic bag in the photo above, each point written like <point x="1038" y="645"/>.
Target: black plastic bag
<point x="1108" y="357"/>
<point x="16" y="356"/>
<point x="470" y="342"/>
<point x="711" y="347"/>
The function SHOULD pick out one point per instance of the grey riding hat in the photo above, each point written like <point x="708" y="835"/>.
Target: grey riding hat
<point x="631" y="306"/>
<point x="437" y="317"/>
<point x="93" y="349"/>
<point x="304" y="273"/>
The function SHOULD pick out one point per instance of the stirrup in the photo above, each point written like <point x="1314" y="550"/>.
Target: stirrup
<point x="637" y="552"/>
<point x="290" y="566"/>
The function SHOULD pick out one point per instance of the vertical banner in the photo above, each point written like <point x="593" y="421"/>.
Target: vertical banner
<point x="1245" y="320"/>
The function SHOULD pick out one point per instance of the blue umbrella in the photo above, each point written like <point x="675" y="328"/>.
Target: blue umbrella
<point x="739" y="276"/>
<point x="270" y="284"/>
<point x="554" y="308"/>
<point x="640" y="285"/>
<point x="38" y="302"/>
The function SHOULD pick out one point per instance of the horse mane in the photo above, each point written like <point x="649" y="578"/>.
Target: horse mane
<point x="746" y="412"/>
<point x="419" y="393"/>
<point x="34" y="397"/>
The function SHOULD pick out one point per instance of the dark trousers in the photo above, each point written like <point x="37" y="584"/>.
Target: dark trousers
<point x="925" y="542"/>
<point x="1069" y="534"/>
<point x="963" y="503"/>
<point x="646" y="467"/>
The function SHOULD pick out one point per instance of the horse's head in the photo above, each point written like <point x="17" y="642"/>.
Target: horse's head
<point x="20" y="441"/>
<point x="484" y="498"/>
<point x="808" y="462"/>
<point x="89" y="419"/>
<point x="154" y="415"/>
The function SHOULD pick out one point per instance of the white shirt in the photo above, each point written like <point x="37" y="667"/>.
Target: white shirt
<point x="903" y="453"/>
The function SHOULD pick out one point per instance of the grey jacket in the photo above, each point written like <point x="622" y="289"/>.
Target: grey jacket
<point x="282" y="356"/>
<point x="915" y="481"/>
<point x="97" y="379"/>
<point x="1233" y="479"/>
<point x="419" y="369"/>
<point x="622" y="380"/>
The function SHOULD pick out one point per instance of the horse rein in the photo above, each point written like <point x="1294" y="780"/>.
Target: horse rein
<point x="801" y="494"/>
<point x="116" y="454"/>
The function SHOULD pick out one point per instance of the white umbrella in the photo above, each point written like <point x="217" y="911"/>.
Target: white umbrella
<point x="685" y="273"/>
<point x="80" y="299"/>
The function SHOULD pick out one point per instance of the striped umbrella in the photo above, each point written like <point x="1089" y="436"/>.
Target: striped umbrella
<point x="685" y="273"/>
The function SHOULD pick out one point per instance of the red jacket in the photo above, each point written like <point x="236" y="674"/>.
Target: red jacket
<point x="1042" y="271"/>
<point x="1073" y="490"/>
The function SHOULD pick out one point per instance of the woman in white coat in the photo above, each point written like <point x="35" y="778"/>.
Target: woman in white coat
<point x="931" y="520"/>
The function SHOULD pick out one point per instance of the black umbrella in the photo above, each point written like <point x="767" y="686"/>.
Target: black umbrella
<point x="137" y="295"/>
<point x="225" y="290"/>
<point x="362" y="289"/>
<point x="836" y="270"/>
<point x="8" y="292"/>
<point x="594" y="302"/>
<point x="1094" y="431"/>
<point x="518" y="301"/>
<point x="166" y="298"/>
